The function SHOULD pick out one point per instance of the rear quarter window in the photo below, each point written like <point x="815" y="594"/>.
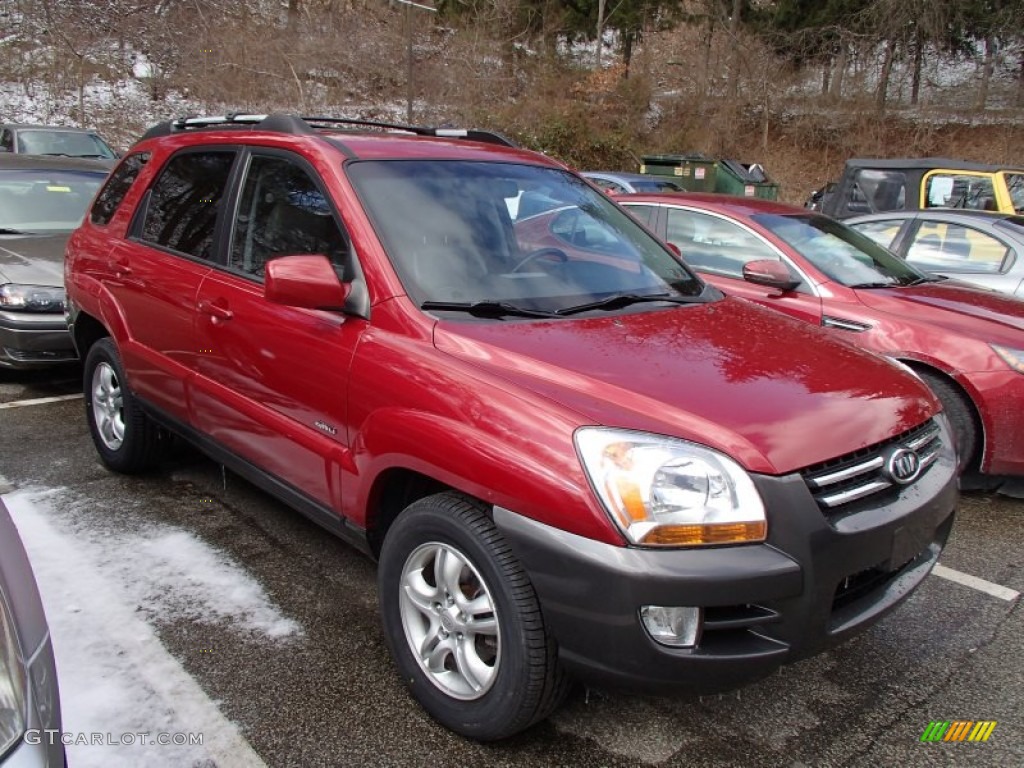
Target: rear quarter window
<point x="117" y="186"/>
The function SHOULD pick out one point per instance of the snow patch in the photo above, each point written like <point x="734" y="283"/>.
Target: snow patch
<point x="99" y="588"/>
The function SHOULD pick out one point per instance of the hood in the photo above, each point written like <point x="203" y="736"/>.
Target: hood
<point x="775" y="394"/>
<point x="957" y="307"/>
<point x="33" y="259"/>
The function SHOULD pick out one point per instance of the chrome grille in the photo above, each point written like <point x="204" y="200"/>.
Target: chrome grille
<point x="863" y="473"/>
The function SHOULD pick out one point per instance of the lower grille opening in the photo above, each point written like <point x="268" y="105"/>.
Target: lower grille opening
<point x="863" y="583"/>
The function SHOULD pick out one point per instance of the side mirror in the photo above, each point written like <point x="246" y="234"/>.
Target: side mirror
<point x="307" y="281"/>
<point x="675" y="249"/>
<point x="771" y="273"/>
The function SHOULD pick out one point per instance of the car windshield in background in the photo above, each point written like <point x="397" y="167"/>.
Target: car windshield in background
<point x="841" y="253"/>
<point x="37" y="201"/>
<point x="63" y="143"/>
<point x="515" y="239"/>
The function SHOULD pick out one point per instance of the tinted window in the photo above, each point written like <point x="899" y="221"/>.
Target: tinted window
<point x="7" y="141"/>
<point x="184" y="202"/>
<point x="282" y="212"/>
<point x="875" y="190"/>
<point x="713" y="244"/>
<point x="656" y="186"/>
<point x="117" y="187"/>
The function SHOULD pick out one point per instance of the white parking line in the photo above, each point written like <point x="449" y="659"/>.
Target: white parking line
<point x="996" y="590"/>
<point x="39" y="401"/>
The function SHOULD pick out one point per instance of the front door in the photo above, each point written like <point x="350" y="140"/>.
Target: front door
<point x="272" y="384"/>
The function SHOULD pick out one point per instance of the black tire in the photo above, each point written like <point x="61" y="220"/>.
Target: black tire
<point x="966" y="433"/>
<point x="527" y="682"/>
<point x="138" y="446"/>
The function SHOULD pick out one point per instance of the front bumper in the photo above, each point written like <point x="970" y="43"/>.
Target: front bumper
<point x="814" y="583"/>
<point x="30" y="340"/>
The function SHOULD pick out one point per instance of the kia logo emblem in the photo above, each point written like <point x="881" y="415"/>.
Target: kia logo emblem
<point x="903" y="466"/>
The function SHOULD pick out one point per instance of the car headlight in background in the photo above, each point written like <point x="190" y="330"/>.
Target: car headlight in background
<point x="662" y="491"/>
<point x="12" y="684"/>
<point x="1012" y="357"/>
<point x="31" y="298"/>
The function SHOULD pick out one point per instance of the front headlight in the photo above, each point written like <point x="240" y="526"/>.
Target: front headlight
<point x="1012" y="357"/>
<point x="661" y="491"/>
<point x="12" y="684"/>
<point x="31" y="298"/>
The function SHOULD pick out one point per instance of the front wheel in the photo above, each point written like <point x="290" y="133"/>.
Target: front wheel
<point x="960" y="412"/>
<point x="125" y="438"/>
<point x="463" y="622"/>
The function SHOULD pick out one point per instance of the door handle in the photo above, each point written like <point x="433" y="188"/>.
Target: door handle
<point x="121" y="268"/>
<point x="216" y="311"/>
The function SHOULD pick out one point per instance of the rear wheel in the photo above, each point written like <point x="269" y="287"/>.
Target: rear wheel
<point x="463" y="622"/>
<point x="958" y="408"/>
<point x="125" y="438"/>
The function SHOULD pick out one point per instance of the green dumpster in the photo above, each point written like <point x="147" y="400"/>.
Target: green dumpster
<point x="745" y="180"/>
<point x="694" y="172"/>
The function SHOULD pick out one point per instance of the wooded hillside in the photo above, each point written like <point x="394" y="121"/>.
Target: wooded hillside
<point x="799" y="85"/>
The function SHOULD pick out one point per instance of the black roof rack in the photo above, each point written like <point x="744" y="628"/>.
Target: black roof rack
<point x="308" y="124"/>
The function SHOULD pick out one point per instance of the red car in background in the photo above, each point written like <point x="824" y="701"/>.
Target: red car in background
<point x="967" y="343"/>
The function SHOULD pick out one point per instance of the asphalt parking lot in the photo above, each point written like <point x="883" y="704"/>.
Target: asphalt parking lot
<point x="327" y="694"/>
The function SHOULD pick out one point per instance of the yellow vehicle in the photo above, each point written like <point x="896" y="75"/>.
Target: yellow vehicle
<point x="875" y="186"/>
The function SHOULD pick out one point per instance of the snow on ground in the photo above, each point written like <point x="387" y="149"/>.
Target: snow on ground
<point x="100" y="589"/>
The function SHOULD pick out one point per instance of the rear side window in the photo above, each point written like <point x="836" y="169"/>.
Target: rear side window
<point x="117" y="186"/>
<point x="184" y="201"/>
<point x="876" y="190"/>
<point x="950" y="190"/>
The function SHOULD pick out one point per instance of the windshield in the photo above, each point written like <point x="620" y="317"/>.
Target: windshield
<point x="1015" y="183"/>
<point x="527" y="237"/>
<point x="841" y="253"/>
<point x="67" y="143"/>
<point x="37" y="201"/>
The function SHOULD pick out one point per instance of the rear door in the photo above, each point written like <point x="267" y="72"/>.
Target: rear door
<point x="272" y="383"/>
<point x="158" y="269"/>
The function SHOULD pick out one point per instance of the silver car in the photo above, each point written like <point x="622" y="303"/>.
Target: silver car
<point x="977" y="247"/>
<point x="618" y="183"/>
<point x="29" y="700"/>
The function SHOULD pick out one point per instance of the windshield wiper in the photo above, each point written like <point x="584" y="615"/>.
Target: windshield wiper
<point x="922" y="279"/>
<point x="8" y="231"/>
<point x="625" y="299"/>
<point x="873" y="285"/>
<point x="485" y="308"/>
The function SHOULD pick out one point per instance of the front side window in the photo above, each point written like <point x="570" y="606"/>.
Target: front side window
<point x="7" y="140"/>
<point x="938" y="246"/>
<point x="959" y="190"/>
<point x="841" y="253"/>
<point x="184" y="201"/>
<point x="282" y="212"/>
<point x="875" y="190"/>
<point x="43" y="200"/>
<point x="448" y="228"/>
<point x="117" y="186"/>
<point x="713" y="244"/>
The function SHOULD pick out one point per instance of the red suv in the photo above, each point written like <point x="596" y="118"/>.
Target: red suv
<point x="572" y="457"/>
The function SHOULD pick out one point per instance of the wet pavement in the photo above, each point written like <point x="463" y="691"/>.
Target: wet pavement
<point x="331" y="697"/>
